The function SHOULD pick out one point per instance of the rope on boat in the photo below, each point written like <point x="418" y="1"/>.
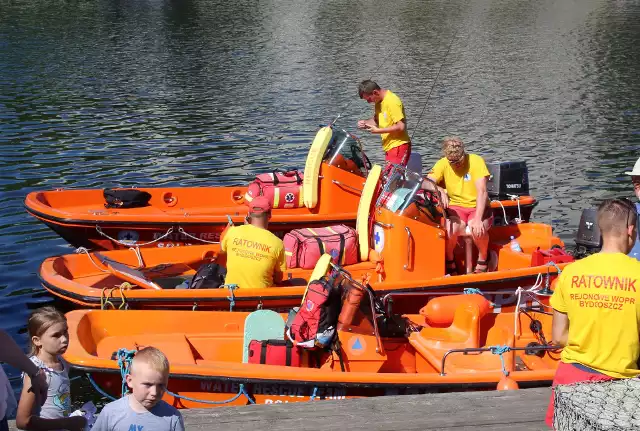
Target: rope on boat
<point x="125" y="356"/>
<point x="188" y="235"/>
<point x="167" y="233"/>
<point x="107" y="293"/>
<point x="84" y="250"/>
<point x="475" y="291"/>
<point x="242" y="391"/>
<point x="517" y="199"/>
<point x="232" y="298"/>
<point x="99" y="389"/>
<point x="501" y="350"/>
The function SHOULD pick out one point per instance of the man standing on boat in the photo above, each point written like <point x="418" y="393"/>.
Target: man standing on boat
<point x="596" y="306"/>
<point x="388" y="121"/>
<point x="464" y="197"/>
<point x="635" y="180"/>
<point x="255" y="256"/>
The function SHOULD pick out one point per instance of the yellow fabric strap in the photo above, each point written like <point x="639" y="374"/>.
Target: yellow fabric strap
<point x="276" y="196"/>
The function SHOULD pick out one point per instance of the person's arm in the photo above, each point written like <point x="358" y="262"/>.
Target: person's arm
<point x="13" y="355"/>
<point x="430" y="184"/>
<point x="27" y="419"/>
<point x="476" y="225"/>
<point x="560" y="328"/>
<point x="398" y="127"/>
<point x="280" y="268"/>
<point x="179" y="423"/>
<point x="366" y="124"/>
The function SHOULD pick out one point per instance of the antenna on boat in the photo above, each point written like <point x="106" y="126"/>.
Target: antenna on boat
<point x="334" y="120"/>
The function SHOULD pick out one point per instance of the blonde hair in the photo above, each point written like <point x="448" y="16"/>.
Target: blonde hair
<point x="615" y="216"/>
<point x="41" y="320"/>
<point x="152" y="357"/>
<point x="452" y="147"/>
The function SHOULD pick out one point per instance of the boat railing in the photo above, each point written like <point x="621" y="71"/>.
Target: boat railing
<point x="497" y="350"/>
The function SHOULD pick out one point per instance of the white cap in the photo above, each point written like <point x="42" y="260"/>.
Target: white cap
<point x="636" y="169"/>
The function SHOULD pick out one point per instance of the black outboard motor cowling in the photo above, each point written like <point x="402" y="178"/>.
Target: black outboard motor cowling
<point x="508" y="179"/>
<point x="588" y="238"/>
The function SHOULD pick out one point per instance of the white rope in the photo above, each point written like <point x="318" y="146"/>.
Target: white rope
<point x="84" y="250"/>
<point x="169" y="231"/>
<point x="188" y="235"/>
<point x="136" y="250"/>
<point x="517" y="199"/>
<point x="504" y="212"/>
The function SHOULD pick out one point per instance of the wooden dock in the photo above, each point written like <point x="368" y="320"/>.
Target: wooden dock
<point x="510" y="410"/>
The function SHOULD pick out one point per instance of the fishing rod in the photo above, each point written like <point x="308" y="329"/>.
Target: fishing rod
<point x="444" y="60"/>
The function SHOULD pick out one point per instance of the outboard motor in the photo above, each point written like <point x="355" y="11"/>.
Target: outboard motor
<point x="508" y="179"/>
<point x="588" y="238"/>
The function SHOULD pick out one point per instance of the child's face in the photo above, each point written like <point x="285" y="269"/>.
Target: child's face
<point x="55" y="340"/>
<point x="147" y="385"/>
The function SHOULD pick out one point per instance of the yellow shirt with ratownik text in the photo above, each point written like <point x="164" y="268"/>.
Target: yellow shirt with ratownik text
<point x="601" y="296"/>
<point x="389" y="112"/>
<point x="253" y="255"/>
<point x="460" y="182"/>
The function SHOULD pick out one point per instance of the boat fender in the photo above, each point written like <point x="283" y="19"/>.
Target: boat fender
<point x="364" y="209"/>
<point x="440" y="312"/>
<point x="310" y="183"/>
<point x="350" y="306"/>
<point x="506" y="383"/>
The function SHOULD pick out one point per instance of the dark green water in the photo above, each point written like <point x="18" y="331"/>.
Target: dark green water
<point x="186" y="92"/>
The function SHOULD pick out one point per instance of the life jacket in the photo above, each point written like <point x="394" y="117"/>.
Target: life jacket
<point x="314" y="324"/>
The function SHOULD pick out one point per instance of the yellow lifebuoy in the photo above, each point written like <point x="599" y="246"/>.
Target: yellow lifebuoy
<point x="364" y="206"/>
<point x="312" y="167"/>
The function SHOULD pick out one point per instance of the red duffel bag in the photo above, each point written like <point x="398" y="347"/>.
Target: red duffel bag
<point x="274" y="352"/>
<point x="303" y="247"/>
<point x="283" y="189"/>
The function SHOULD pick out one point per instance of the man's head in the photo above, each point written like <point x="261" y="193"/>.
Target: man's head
<point x="149" y="376"/>
<point x="617" y="220"/>
<point x="370" y="91"/>
<point x="635" y="178"/>
<point x="453" y="150"/>
<point x="259" y="211"/>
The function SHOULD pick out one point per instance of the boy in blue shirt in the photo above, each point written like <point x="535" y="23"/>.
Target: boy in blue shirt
<point x="143" y="409"/>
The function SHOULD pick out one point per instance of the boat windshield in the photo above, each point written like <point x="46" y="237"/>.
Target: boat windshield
<point x="345" y="152"/>
<point x="401" y="189"/>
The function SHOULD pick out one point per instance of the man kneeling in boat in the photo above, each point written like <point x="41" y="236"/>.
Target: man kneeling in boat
<point x="464" y="197"/>
<point x="596" y="306"/>
<point x="255" y="256"/>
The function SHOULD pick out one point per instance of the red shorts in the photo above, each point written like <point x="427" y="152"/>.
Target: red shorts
<point x="465" y="214"/>
<point x="399" y="155"/>
<point x="570" y="373"/>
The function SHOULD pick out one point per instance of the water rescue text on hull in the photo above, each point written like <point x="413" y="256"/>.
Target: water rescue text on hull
<point x="334" y="174"/>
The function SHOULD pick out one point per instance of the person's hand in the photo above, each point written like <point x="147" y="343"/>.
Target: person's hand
<point x="444" y="198"/>
<point x="77" y="423"/>
<point x="477" y="228"/>
<point x="362" y="124"/>
<point x="39" y="386"/>
<point x="373" y="129"/>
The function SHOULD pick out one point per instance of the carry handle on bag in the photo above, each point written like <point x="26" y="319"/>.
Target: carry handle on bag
<point x="289" y="173"/>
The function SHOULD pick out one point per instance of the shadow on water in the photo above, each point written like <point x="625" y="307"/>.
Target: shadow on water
<point x="204" y="92"/>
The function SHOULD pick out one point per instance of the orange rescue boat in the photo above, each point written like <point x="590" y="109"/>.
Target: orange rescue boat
<point x="401" y="247"/>
<point x="335" y="170"/>
<point x="455" y="343"/>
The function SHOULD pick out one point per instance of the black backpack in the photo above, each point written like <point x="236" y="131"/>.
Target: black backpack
<point x="209" y="276"/>
<point x="126" y="198"/>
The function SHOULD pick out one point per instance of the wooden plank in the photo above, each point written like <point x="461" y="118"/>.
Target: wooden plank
<point x="509" y="410"/>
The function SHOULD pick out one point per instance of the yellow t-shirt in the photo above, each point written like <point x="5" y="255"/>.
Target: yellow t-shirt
<point x="253" y="255"/>
<point x="461" y="181"/>
<point x="601" y="296"/>
<point x="389" y="112"/>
